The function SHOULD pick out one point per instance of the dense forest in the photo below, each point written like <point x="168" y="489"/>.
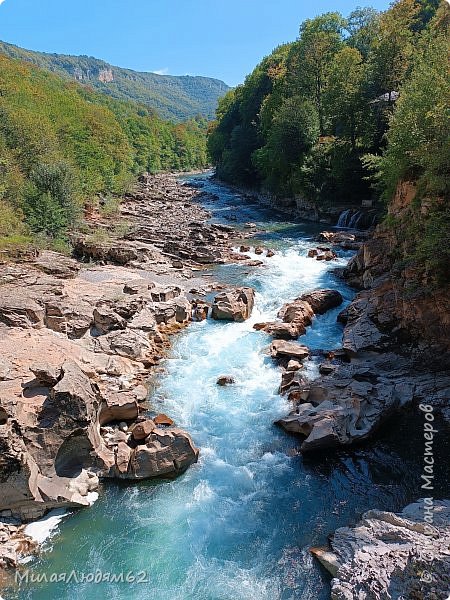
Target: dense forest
<point x="175" y="98"/>
<point x="345" y="112"/>
<point x="61" y="144"/>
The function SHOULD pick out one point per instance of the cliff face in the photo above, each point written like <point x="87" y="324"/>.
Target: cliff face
<point x="403" y="300"/>
<point x="105" y="74"/>
<point x="175" y="98"/>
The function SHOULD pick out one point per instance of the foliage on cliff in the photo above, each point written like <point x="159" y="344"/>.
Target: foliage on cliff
<point x="418" y="150"/>
<point x="304" y="120"/>
<point x="175" y="98"/>
<point x="61" y="144"/>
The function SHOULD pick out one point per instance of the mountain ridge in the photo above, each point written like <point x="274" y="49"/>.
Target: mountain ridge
<point x="173" y="97"/>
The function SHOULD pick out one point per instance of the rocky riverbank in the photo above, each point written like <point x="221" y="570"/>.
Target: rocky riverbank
<point x="395" y="347"/>
<point x="388" y="555"/>
<point x="395" y="352"/>
<point x="80" y="340"/>
<point x="299" y="207"/>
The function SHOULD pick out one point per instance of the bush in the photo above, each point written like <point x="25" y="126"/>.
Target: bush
<point x="49" y="204"/>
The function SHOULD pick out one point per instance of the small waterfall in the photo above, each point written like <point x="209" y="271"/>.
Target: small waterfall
<point x="356" y="219"/>
<point x="344" y="217"/>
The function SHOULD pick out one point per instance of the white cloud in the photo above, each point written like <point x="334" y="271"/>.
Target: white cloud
<point x="164" y="71"/>
<point x="1" y="1"/>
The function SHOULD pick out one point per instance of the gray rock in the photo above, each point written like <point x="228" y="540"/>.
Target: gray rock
<point x="388" y="555"/>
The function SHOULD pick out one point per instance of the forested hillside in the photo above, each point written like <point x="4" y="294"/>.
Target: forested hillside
<point x="351" y="108"/>
<point x="62" y="144"/>
<point x="175" y="98"/>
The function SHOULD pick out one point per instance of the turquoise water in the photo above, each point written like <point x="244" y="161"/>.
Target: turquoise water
<point x="237" y="525"/>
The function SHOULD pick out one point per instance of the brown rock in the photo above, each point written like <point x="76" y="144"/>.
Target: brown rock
<point x="199" y="310"/>
<point x="141" y="430"/>
<point x="122" y="458"/>
<point x="166" y="452"/>
<point x="285" y="331"/>
<point x="17" y="309"/>
<point x="294" y="365"/>
<point x="235" y="305"/>
<point x="322" y="300"/>
<point x="163" y="419"/>
<point x="121" y="406"/>
<point x="280" y="348"/>
<point x="46" y="374"/>
<point x="225" y="380"/>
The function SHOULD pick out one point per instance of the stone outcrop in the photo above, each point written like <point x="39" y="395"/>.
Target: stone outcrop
<point x="395" y="297"/>
<point x="388" y="555"/>
<point x="234" y="305"/>
<point x="163" y="452"/>
<point x="351" y="401"/>
<point x="297" y="315"/>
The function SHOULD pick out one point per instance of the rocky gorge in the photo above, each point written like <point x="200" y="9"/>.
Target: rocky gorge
<point x="82" y="339"/>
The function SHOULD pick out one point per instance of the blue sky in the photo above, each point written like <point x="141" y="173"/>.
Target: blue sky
<point x="215" y="38"/>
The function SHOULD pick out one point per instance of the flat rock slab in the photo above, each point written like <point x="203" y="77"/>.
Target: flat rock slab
<point x="281" y="348"/>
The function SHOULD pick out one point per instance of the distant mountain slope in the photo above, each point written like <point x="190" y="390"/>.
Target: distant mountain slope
<point x="176" y="98"/>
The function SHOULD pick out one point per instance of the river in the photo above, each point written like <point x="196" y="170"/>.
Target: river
<point x="237" y="525"/>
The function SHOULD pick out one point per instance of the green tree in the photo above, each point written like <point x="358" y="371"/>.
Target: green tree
<point x="294" y="130"/>
<point x="344" y="95"/>
<point x="310" y="58"/>
<point x="392" y="48"/>
<point x="362" y="27"/>
<point x="50" y="205"/>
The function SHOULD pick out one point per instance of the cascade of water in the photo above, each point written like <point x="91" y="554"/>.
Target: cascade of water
<point x="354" y="219"/>
<point x="343" y="218"/>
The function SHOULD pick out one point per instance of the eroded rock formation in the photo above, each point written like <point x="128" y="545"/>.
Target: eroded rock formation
<point x="77" y="346"/>
<point x="388" y="555"/>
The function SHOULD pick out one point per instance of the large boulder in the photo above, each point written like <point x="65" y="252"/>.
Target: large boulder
<point x="118" y="407"/>
<point x="164" y="453"/>
<point x="322" y="300"/>
<point x="388" y="555"/>
<point x="297" y="315"/>
<point x="283" y="349"/>
<point x="19" y="309"/>
<point x="235" y="305"/>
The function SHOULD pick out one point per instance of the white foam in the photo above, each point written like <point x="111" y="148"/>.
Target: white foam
<point x="92" y="497"/>
<point x="44" y="528"/>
